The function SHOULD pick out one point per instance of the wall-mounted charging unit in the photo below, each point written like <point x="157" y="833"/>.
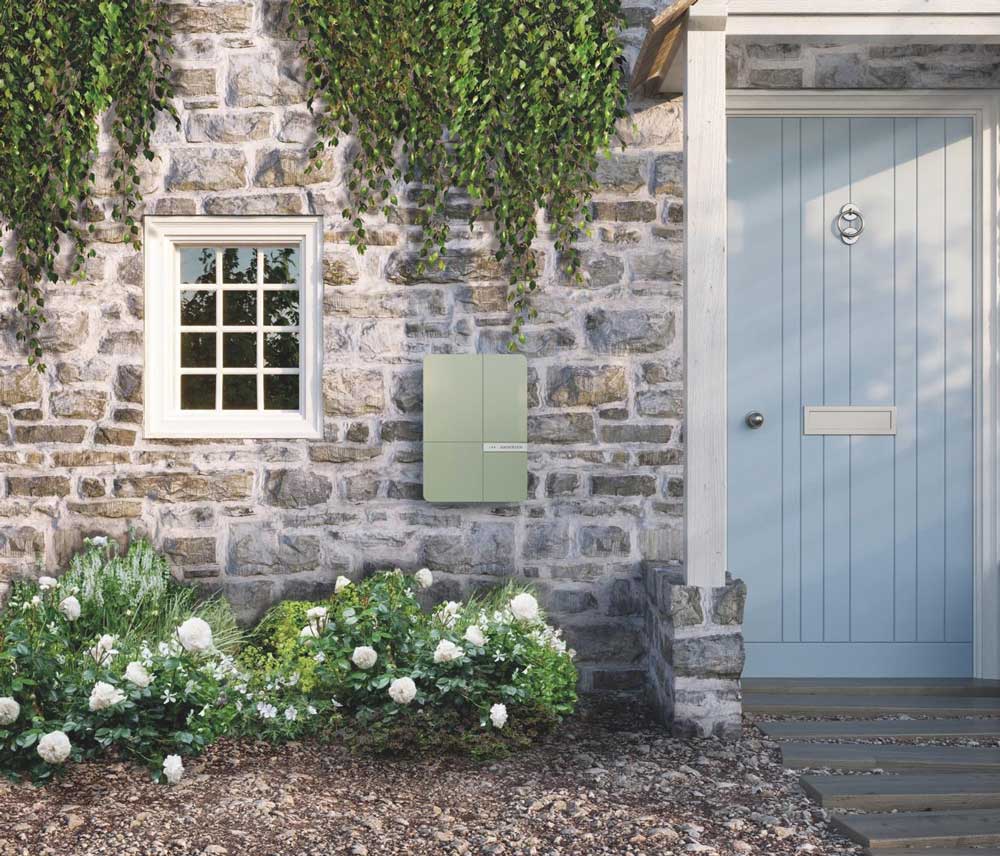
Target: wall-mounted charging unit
<point x="475" y="428"/>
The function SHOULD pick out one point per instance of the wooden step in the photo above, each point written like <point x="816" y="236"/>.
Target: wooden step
<point x="862" y="729"/>
<point x="821" y="704"/>
<point x="854" y="756"/>
<point x="954" y="687"/>
<point x="905" y="792"/>
<point x="920" y="829"/>
<point x="935" y="851"/>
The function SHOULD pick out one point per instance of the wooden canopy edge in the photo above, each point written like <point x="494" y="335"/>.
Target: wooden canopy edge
<point x="660" y="47"/>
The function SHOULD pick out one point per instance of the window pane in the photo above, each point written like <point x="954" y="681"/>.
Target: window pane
<point x="239" y="350"/>
<point x="281" y="392"/>
<point x="281" y="308"/>
<point x="198" y="264"/>
<point x="239" y="392"/>
<point x="239" y="307"/>
<point x="197" y="307"/>
<point x="281" y="350"/>
<point x="197" y="350"/>
<point x="281" y="265"/>
<point x="239" y="264"/>
<point x="197" y="392"/>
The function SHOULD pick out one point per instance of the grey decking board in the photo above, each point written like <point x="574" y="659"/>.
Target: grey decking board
<point x="958" y="687"/>
<point x="852" y="756"/>
<point x="921" y="829"/>
<point x="905" y="792"/>
<point x="936" y="851"/>
<point x="868" y="705"/>
<point x="863" y="729"/>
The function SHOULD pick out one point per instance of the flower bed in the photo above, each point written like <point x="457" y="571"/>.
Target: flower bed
<point x="115" y="657"/>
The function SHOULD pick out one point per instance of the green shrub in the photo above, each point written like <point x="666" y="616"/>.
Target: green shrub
<point x="117" y="657"/>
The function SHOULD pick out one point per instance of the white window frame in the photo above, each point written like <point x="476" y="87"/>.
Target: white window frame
<point x="164" y="236"/>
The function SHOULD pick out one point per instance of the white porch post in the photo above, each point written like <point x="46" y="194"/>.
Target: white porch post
<point x="705" y="293"/>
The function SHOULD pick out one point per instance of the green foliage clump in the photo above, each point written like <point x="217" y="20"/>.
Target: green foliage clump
<point x="63" y="64"/>
<point x="509" y="101"/>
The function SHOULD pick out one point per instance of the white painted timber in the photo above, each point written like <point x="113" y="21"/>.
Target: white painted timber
<point x="705" y="312"/>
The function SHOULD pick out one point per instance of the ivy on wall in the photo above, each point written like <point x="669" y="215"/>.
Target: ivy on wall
<point x="64" y="63"/>
<point x="510" y="101"/>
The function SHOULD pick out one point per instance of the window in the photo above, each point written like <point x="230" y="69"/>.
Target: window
<point x="233" y="327"/>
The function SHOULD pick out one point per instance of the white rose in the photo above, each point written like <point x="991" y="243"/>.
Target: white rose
<point x="364" y="657"/>
<point x="308" y="632"/>
<point x="104" y="651"/>
<point x="498" y="715"/>
<point x="104" y="695"/>
<point x="54" y="747"/>
<point x="136" y="673"/>
<point x="173" y="769"/>
<point x="448" y="612"/>
<point x="317" y="618"/>
<point x="424" y="577"/>
<point x="195" y="635"/>
<point x="402" y="690"/>
<point x="10" y="710"/>
<point x="447" y="651"/>
<point x="524" y="607"/>
<point x="46" y="583"/>
<point x="475" y="636"/>
<point x="342" y="583"/>
<point x="70" y="607"/>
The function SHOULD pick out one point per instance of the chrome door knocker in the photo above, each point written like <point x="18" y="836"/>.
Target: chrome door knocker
<point x="850" y="224"/>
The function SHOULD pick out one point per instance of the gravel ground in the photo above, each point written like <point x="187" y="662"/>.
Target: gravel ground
<point x="608" y="782"/>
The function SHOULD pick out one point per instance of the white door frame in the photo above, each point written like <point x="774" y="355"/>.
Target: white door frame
<point x="983" y="108"/>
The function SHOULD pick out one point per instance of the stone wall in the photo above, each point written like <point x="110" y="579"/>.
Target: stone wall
<point x="263" y="520"/>
<point x="695" y="648"/>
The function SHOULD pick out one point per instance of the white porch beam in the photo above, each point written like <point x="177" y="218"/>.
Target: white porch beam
<point x="705" y="276"/>
<point x="927" y="20"/>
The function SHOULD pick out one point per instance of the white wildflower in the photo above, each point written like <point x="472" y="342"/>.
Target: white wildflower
<point x="195" y="635"/>
<point x="70" y="607"/>
<point x="291" y="714"/>
<point x="104" y="695"/>
<point x="448" y="612"/>
<point x="99" y="541"/>
<point x="524" y="607"/>
<point x="168" y="696"/>
<point x="36" y="601"/>
<point x="46" y="583"/>
<point x="498" y="715"/>
<point x="341" y="583"/>
<point x="310" y="710"/>
<point x="10" y="710"/>
<point x="104" y="651"/>
<point x="266" y="711"/>
<point x="317" y="618"/>
<point x="364" y="657"/>
<point x="447" y="651"/>
<point x="54" y="747"/>
<point x="319" y="657"/>
<point x="474" y="636"/>
<point x="136" y="673"/>
<point x="173" y="769"/>
<point x="424" y="578"/>
<point x="402" y="690"/>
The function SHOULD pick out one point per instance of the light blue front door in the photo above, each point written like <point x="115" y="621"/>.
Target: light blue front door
<point x="857" y="548"/>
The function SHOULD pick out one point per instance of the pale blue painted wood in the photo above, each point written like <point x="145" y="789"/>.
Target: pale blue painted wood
<point x="930" y="378"/>
<point x="853" y="547"/>
<point x="791" y="412"/>
<point x="871" y="377"/>
<point x="815" y="232"/>
<point x="755" y="366"/>
<point x="905" y="376"/>
<point x="959" y="486"/>
<point x="837" y="387"/>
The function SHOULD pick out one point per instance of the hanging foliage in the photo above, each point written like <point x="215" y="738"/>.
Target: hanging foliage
<point x="64" y="63"/>
<point x="509" y="101"/>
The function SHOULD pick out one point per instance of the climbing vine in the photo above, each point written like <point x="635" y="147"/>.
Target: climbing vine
<point x="63" y="64"/>
<point x="509" y="102"/>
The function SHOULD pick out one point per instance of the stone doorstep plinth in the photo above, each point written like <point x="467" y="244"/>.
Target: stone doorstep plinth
<point x="694" y="638"/>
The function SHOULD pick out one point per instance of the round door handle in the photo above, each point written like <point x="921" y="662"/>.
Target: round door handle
<point x="755" y="420"/>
